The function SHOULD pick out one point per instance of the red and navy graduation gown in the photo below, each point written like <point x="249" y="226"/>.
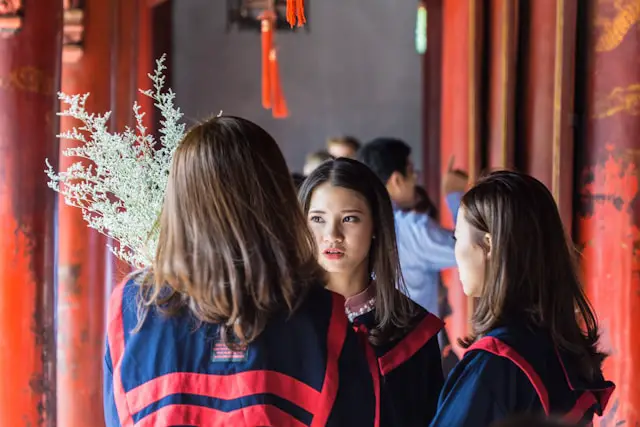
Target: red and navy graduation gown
<point x="515" y="370"/>
<point x="307" y="369"/>
<point x="407" y="371"/>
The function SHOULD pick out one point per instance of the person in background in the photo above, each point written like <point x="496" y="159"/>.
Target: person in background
<point x="314" y="160"/>
<point x="351" y="217"/>
<point x="425" y="247"/>
<point x="232" y="324"/>
<point x="533" y="346"/>
<point x="343" y="146"/>
<point x="298" y="179"/>
<point x="424" y="205"/>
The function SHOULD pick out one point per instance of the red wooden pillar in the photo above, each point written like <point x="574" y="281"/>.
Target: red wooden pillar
<point x="29" y="80"/>
<point x="125" y="92"/>
<point x="503" y="21"/>
<point x="431" y="108"/>
<point x="81" y="262"/>
<point x="548" y="97"/>
<point x="146" y="61"/>
<point x="461" y="50"/>
<point x="609" y="221"/>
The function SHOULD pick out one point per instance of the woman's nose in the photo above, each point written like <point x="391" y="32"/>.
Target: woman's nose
<point x="333" y="233"/>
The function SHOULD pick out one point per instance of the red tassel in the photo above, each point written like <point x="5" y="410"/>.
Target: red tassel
<point x="279" y="105"/>
<point x="300" y="13"/>
<point x="267" y="45"/>
<point x="295" y="11"/>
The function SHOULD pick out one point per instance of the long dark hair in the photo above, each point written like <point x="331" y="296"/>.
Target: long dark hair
<point x="394" y="311"/>
<point x="532" y="273"/>
<point x="234" y="246"/>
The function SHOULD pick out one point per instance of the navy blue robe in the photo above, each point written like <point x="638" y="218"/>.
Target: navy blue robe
<point x="409" y="371"/>
<point x="515" y="370"/>
<point x="307" y="369"/>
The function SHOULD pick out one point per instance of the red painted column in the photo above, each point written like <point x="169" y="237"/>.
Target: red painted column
<point x="431" y="104"/>
<point x="82" y="251"/>
<point x="29" y="80"/>
<point x="503" y="21"/>
<point x="461" y="50"/>
<point x="609" y="219"/>
<point x="125" y="79"/>
<point x="547" y="112"/>
<point x="146" y="62"/>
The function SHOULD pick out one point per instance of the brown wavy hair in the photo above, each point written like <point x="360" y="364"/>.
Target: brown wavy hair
<point x="395" y="313"/>
<point x="234" y="247"/>
<point x="532" y="274"/>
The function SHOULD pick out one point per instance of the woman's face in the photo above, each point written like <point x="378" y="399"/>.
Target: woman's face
<point x="471" y="258"/>
<point x="342" y="225"/>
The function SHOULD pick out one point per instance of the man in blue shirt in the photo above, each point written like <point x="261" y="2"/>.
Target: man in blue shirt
<point x="425" y="247"/>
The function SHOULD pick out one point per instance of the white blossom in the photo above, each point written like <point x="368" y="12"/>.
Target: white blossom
<point x="120" y="178"/>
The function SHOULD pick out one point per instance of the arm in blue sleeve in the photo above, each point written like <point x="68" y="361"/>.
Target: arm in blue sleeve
<point x="453" y="201"/>
<point x="438" y="243"/>
<point x="432" y="244"/>
<point x="111" y="418"/>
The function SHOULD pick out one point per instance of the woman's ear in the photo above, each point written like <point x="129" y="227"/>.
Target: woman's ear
<point x="488" y="245"/>
<point x="394" y="181"/>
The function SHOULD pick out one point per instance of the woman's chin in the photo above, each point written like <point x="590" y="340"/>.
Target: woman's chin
<point x="469" y="291"/>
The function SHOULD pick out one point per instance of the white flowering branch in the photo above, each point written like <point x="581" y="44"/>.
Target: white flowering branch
<point x="119" y="186"/>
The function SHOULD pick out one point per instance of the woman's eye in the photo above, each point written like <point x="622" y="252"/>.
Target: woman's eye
<point x="315" y="219"/>
<point x="351" y="219"/>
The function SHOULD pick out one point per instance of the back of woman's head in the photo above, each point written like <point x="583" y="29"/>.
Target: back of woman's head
<point x="393" y="310"/>
<point x="531" y="272"/>
<point x="233" y="246"/>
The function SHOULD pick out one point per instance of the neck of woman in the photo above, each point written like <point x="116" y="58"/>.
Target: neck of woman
<point x="350" y="283"/>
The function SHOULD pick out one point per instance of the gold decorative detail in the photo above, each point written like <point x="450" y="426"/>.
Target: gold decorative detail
<point x="28" y="79"/>
<point x="557" y="102"/>
<point x="472" y="107"/>
<point x="613" y="29"/>
<point x="472" y="119"/>
<point x="73" y="34"/>
<point x="619" y="100"/>
<point x="505" y="55"/>
<point x="10" y="16"/>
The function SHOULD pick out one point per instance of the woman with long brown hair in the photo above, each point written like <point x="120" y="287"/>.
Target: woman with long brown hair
<point x="350" y="214"/>
<point x="232" y="325"/>
<point x="534" y="342"/>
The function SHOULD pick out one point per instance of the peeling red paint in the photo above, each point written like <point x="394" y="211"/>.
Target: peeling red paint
<point x="611" y="266"/>
<point x="21" y="348"/>
<point x="29" y="68"/>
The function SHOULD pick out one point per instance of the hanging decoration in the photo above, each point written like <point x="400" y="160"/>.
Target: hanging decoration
<point x="268" y="16"/>
<point x="289" y="15"/>
<point x="279" y="105"/>
<point x="295" y="13"/>
<point x="272" y="96"/>
<point x="421" y="28"/>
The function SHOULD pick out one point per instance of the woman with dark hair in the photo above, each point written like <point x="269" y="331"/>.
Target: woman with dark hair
<point x="534" y="341"/>
<point x="351" y="217"/>
<point x="232" y="325"/>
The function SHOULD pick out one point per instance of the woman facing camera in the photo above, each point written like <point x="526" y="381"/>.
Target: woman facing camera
<point x="350" y="214"/>
<point x="534" y="342"/>
<point x="232" y="325"/>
